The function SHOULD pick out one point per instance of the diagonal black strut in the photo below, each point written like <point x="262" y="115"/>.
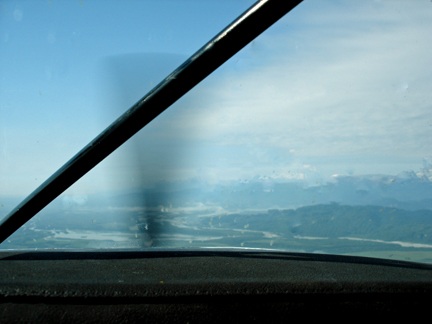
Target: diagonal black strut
<point x="218" y="50"/>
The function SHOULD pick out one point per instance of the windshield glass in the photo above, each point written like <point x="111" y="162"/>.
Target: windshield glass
<point x="313" y="138"/>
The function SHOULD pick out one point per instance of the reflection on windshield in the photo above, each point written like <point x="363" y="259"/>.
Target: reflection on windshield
<point x="314" y="138"/>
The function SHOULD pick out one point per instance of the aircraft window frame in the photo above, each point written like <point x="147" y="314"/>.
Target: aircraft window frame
<point x="170" y="81"/>
<point x="224" y="45"/>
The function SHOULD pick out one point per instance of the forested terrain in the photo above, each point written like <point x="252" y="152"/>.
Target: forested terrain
<point x="334" y="220"/>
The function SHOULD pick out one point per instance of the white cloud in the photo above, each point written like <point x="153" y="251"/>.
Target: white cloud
<point x="356" y="92"/>
<point x="330" y="79"/>
<point x="326" y="81"/>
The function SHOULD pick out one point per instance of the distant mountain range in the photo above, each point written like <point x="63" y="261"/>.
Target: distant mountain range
<point x="406" y="191"/>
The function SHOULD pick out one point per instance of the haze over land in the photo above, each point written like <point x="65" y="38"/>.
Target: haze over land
<point x="378" y="215"/>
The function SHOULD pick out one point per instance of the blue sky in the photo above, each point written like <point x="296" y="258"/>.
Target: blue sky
<point x="52" y="63"/>
<point x="335" y="87"/>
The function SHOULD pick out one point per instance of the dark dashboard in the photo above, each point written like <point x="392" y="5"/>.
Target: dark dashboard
<point x="192" y="286"/>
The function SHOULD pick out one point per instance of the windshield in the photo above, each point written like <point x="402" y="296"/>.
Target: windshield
<point x="313" y="138"/>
